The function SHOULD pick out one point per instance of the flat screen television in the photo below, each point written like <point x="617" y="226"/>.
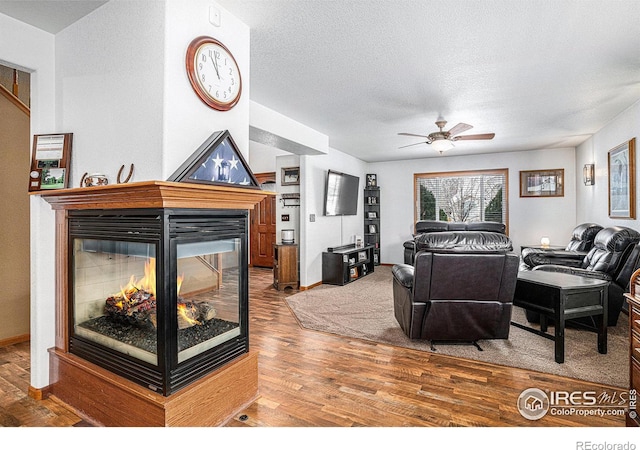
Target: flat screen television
<point x="341" y="194"/>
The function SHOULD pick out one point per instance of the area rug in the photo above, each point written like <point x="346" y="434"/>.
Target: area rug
<point x="364" y="309"/>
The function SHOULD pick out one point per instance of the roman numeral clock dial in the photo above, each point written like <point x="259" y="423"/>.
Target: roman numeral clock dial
<point x="213" y="73"/>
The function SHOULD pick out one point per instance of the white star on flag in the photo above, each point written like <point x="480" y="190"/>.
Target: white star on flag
<point x="218" y="161"/>
<point x="234" y="162"/>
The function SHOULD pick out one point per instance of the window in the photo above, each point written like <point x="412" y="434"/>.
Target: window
<point x="462" y="196"/>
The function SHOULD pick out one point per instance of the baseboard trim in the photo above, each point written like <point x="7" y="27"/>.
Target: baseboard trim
<point x="15" y="340"/>
<point x="306" y="288"/>
<point x="39" y="393"/>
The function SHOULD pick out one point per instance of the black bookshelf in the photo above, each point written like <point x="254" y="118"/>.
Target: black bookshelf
<point x="372" y="220"/>
<point x="342" y="265"/>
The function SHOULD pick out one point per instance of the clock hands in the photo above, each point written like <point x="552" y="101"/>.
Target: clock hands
<point x="215" y="64"/>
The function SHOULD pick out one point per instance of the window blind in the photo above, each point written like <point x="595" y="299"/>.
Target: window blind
<point x="462" y="197"/>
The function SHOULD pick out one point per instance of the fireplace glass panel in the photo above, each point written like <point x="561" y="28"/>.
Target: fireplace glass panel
<point x="114" y="296"/>
<point x="208" y="275"/>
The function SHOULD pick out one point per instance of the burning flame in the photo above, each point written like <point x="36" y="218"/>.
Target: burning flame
<point x="187" y="312"/>
<point x="128" y="298"/>
<point x="146" y="283"/>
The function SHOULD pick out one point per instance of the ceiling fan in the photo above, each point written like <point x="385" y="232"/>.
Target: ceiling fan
<point x="443" y="140"/>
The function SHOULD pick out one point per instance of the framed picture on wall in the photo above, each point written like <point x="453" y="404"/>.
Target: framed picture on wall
<point x="372" y="180"/>
<point x="50" y="159"/>
<point x="622" y="181"/>
<point x="542" y="183"/>
<point x="290" y="176"/>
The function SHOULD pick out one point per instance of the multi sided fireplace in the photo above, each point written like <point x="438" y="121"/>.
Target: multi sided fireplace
<point x="152" y="303"/>
<point x="158" y="296"/>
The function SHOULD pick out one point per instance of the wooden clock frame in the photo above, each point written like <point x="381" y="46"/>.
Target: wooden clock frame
<point x="193" y="78"/>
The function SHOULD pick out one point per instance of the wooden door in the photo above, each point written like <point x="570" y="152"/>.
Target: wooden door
<point x="262" y="234"/>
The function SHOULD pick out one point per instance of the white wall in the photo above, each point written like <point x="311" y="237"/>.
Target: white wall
<point x="187" y="120"/>
<point x="593" y="201"/>
<point x="262" y="158"/>
<point x="325" y="232"/>
<point x="529" y="218"/>
<point x="32" y="50"/>
<point x="109" y="76"/>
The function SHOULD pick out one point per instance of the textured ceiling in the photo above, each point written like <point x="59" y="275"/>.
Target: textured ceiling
<point x="540" y="74"/>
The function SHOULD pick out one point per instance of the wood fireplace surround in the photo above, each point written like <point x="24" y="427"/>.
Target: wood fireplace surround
<point x="105" y="398"/>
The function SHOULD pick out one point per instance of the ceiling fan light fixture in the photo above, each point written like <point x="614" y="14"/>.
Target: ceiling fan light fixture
<point x="442" y="145"/>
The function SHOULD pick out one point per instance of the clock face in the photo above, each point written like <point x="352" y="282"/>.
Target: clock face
<point x="213" y="73"/>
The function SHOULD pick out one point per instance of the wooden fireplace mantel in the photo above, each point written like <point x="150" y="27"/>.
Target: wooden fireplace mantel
<point x="105" y="398"/>
<point x="154" y="194"/>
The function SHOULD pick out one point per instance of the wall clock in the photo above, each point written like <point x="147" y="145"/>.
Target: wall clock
<point x="213" y="73"/>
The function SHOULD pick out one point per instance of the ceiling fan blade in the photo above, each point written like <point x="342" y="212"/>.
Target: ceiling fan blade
<point x="414" y="135"/>
<point x="471" y="137"/>
<point x="411" y="145"/>
<point x="460" y="128"/>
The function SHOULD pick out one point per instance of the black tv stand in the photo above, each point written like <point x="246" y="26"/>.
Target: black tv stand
<point x="346" y="263"/>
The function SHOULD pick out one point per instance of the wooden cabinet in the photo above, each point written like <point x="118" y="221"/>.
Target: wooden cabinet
<point x="285" y="266"/>
<point x="372" y="220"/>
<point x="634" y="349"/>
<point x="342" y="265"/>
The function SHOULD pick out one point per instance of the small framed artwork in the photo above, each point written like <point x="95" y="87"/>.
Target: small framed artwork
<point x="50" y="159"/>
<point x="542" y="183"/>
<point x="362" y="256"/>
<point x="372" y="215"/>
<point x="622" y="181"/>
<point x="372" y="229"/>
<point x="372" y="180"/>
<point x="290" y="176"/>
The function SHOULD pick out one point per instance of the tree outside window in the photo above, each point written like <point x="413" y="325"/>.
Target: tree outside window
<point x="462" y="196"/>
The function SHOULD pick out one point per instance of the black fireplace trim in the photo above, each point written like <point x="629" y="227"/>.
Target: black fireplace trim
<point x="163" y="227"/>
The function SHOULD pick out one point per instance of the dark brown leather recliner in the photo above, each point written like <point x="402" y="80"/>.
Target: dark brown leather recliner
<point x="459" y="289"/>
<point x="581" y="242"/>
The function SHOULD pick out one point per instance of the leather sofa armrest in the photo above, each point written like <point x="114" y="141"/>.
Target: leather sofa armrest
<point x="404" y="274"/>
<point x="538" y="257"/>
<point x="574" y="271"/>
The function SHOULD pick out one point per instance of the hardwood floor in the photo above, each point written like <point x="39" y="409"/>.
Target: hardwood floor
<point x="314" y="379"/>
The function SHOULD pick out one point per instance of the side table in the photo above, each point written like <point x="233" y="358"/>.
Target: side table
<point x="561" y="297"/>
<point x="285" y="266"/>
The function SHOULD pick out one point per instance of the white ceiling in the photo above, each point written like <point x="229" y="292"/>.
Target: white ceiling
<point x="538" y="73"/>
<point x="49" y="15"/>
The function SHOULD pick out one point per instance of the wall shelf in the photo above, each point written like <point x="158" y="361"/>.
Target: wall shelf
<point x="292" y="199"/>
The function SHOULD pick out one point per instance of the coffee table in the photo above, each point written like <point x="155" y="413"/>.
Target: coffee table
<point x="561" y="297"/>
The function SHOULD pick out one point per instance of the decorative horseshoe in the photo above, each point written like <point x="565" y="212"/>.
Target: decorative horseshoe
<point x="128" y="176"/>
<point x="82" y="179"/>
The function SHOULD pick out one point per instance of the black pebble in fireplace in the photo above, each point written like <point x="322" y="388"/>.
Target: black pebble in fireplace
<point x="158" y="296"/>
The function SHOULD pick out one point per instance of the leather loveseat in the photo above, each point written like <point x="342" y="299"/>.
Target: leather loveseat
<point x="580" y="243"/>
<point x="460" y="288"/>
<point x="614" y="257"/>
<point x="411" y="246"/>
